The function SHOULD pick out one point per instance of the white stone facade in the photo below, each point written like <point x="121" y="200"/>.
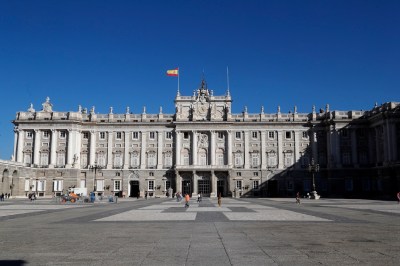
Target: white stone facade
<point x="202" y="148"/>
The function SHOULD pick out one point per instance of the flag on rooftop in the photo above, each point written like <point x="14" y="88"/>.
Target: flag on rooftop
<point x="173" y="72"/>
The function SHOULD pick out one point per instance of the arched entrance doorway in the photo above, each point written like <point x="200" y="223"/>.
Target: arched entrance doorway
<point x="134" y="188"/>
<point x="4" y="182"/>
<point x="186" y="187"/>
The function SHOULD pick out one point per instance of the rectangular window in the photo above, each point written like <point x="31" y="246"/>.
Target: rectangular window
<point x="255" y="173"/>
<point x="27" y="185"/>
<point x="29" y="134"/>
<point x="256" y="184"/>
<point x="167" y="184"/>
<point x="46" y="134"/>
<point x="254" y="159"/>
<point x="254" y="134"/>
<point x="86" y="135"/>
<point x="271" y="134"/>
<point x="117" y="185"/>
<point x="100" y="185"/>
<point x="83" y="183"/>
<point x="119" y="135"/>
<point x="41" y="185"/>
<point x="102" y="135"/>
<point x="168" y="135"/>
<point x="238" y="173"/>
<point x="238" y="159"/>
<point x="57" y="185"/>
<point x="239" y="184"/>
<point x="63" y="134"/>
<point x="152" y="135"/>
<point x="151" y="185"/>
<point x="220" y="135"/>
<point x="186" y="135"/>
<point x="220" y="159"/>
<point x="305" y="135"/>
<point x="135" y="135"/>
<point x="238" y="135"/>
<point x="288" y="134"/>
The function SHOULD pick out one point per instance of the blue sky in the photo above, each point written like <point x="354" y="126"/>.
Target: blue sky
<point x="115" y="53"/>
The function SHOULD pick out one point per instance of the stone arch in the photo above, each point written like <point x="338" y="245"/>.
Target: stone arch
<point x="5" y="181"/>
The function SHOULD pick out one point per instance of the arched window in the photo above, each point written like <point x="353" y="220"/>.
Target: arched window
<point x="134" y="159"/>
<point x="168" y="159"/>
<point x="61" y="159"/>
<point x="220" y="157"/>
<point x="202" y="157"/>
<point x="151" y="159"/>
<point x="238" y="159"/>
<point x="101" y="159"/>
<point x="185" y="157"/>
<point x="117" y="159"/>
<point x="44" y="158"/>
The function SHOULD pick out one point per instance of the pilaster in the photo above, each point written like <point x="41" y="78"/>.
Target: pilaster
<point x="159" y="149"/>
<point x="195" y="184"/>
<point x="262" y="150"/>
<point x="296" y="148"/>
<point x="178" y="150"/>
<point x="246" y="150"/>
<point x="229" y="148"/>
<point x="280" y="149"/>
<point x="19" y="138"/>
<point x="36" y="147"/>
<point x="53" y="148"/>
<point x="143" y="150"/>
<point x="194" y="148"/>
<point x="92" y="152"/>
<point x="127" y="135"/>
<point x="70" y="148"/>
<point x="212" y="148"/>
<point x="110" y="150"/>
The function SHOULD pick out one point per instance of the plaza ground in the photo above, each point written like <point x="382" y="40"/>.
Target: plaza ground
<point x="162" y="232"/>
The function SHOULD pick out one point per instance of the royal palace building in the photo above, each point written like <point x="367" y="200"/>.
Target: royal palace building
<point x="205" y="148"/>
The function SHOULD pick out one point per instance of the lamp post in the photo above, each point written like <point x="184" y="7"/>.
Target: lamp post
<point x="94" y="168"/>
<point x="313" y="168"/>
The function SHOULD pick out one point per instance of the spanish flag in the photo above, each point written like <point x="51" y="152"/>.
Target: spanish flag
<point x="173" y="72"/>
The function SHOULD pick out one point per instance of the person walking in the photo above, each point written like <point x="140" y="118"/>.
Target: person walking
<point x="219" y="200"/>
<point x="187" y="199"/>
<point x="298" y="198"/>
<point x="398" y="197"/>
<point x="199" y="198"/>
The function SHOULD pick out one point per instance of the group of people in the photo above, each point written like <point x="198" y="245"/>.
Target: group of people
<point x="4" y="196"/>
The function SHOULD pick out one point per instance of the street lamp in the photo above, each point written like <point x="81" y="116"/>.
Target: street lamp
<point x="313" y="168"/>
<point x="94" y="168"/>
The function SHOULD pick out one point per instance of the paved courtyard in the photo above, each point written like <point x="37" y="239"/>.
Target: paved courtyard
<point x="163" y="232"/>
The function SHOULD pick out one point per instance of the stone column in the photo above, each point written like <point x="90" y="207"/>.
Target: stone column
<point x="178" y="180"/>
<point x="19" y="139"/>
<point x="110" y="150"/>
<point x="212" y="148"/>
<point x="160" y="135"/>
<point x="53" y="147"/>
<point x="229" y="148"/>
<point x="246" y="150"/>
<point x="178" y="150"/>
<point x="387" y="140"/>
<point x="70" y="148"/>
<point x="78" y="145"/>
<point x="354" y="155"/>
<point x="314" y="147"/>
<point x="194" y="148"/>
<point x="92" y="151"/>
<point x="36" y="148"/>
<point x="143" y="150"/>
<point x="195" y="183"/>
<point x="280" y="149"/>
<point x="213" y="185"/>
<point x="296" y="149"/>
<point x="262" y="150"/>
<point x="127" y="135"/>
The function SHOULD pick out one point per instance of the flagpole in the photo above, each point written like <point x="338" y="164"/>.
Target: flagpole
<point x="227" y="80"/>
<point x="178" y="83"/>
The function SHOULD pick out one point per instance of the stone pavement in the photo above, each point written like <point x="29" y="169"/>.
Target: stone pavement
<point x="163" y="232"/>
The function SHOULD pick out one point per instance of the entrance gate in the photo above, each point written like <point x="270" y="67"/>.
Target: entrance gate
<point x="134" y="188"/>
<point x="221" y="188"/>
<point x="204" y="187"/>
<point x="186" y="187"/>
